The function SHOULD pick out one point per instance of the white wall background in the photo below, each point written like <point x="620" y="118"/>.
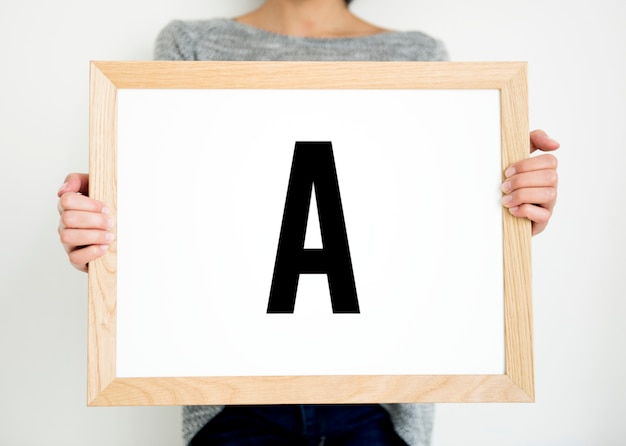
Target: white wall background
<point x="577" y="93"/>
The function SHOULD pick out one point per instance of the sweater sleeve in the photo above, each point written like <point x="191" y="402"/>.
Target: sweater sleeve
<point x="175" y="42"/>
<point x="428" y="48"/>
<point x="440" y="53"/>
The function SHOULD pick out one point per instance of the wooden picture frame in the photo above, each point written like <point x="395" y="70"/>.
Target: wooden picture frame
<point x="106" y="388"/>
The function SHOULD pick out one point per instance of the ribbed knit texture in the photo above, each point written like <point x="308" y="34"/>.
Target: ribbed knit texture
<point x="226" y="39"/>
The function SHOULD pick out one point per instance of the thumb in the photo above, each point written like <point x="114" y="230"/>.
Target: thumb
<point x="75" y="182"/>
<point x="539" y="140"/>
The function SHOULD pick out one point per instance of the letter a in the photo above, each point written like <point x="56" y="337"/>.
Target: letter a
<point x="313" y="165"/>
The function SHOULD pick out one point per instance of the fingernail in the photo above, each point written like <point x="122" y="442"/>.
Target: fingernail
<point x="506" y="199"/>
<point x="506" y="186"/>
<point x="110" y="223"/>
<point x="513" y="209"/>
<point x="509" y="172"/>
<point x="109" y="236"/>
<point x="62" y="188"/>
<point x="105" y="210"/>
<point x="104" y="247"/>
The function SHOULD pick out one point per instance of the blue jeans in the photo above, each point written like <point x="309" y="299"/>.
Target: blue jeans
<point x="300" y="425"/>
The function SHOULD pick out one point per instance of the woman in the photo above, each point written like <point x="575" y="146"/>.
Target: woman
<point x="302" y="30"/>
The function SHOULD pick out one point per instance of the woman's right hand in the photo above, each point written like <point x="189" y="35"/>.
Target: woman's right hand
<point x="85" y="224"/>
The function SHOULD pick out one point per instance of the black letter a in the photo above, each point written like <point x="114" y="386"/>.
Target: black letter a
<point x="313" y="164"/>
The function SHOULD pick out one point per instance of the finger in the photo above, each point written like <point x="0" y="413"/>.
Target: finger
<point x="542" y="196"/>
<point x="539" y="140"/>
<point x="78" y="202"/>
<point x="546" y="161"/>
<point x="79" y="258"/>
<point x="535" y="178"/>
<point x="85" y="220"/>
<point x="539" y="216"/>
<point x="73" y="238"/>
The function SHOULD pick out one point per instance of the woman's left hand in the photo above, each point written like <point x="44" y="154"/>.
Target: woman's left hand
<point x="531" y="184"/>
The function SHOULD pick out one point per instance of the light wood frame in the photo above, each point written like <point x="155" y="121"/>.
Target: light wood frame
<point x="106" y="389"/>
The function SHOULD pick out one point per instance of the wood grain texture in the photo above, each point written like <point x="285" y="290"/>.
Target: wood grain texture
<point x="310" y="75"/>
<point x="106" y="388"/>
<point x="517" y="241"/>
<point x="102" y="337"/>
<point x="310" y="390"/>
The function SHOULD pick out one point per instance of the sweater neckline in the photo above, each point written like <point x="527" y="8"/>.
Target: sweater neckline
<point x="251" y="29"/>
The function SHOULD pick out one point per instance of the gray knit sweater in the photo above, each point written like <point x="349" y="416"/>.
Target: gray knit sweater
<point x="226" y="39"/>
